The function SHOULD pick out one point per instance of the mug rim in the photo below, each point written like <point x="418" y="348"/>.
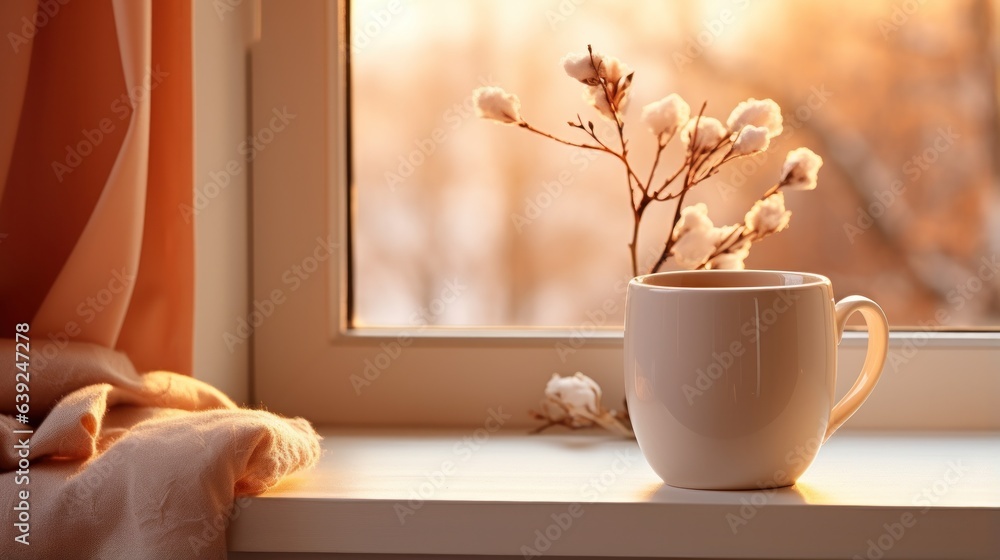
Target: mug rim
<point x="805" y="280"/>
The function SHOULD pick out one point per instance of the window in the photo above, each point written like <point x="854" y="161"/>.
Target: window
<point x="309" y="358"/>
<point x="900" y="99"/>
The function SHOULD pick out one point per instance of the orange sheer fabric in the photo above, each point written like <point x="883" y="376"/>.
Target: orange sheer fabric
<point x="95" y="160"/>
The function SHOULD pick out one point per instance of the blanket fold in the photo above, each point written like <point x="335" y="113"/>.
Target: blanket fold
<point x="129" y="465"/>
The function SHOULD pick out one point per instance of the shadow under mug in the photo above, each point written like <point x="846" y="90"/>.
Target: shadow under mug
<point x="730" y="374"/>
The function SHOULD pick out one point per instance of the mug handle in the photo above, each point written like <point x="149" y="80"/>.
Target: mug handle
<point x="878" y="347"/>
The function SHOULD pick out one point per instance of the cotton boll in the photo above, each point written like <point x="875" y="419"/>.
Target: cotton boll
<point x="693" y="248"/>
<point x="581" y="68"/>
<point x="710" y="132"/>
<point x="616" y="83"/>
<point x="756" y="112"/>
<point x="734" y="256"/>
<point x="613" y="70"/>
<point x="578" y="393"/>
<point x="752" y="139"/>
<point x="696" y="237"/>
<point x="665" y="116"/>
<point x="496" y="104"/>
<point x="768" y="215"/>
<point x="801" y="170"/>
<point x="596" y="97"/>
<point x="693" y="217"/>
<point x="729" y="261"/>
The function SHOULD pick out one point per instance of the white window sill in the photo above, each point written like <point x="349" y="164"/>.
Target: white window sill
<point x="490" y="498"/>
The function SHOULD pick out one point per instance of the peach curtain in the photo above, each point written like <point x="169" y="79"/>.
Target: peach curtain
<point x="95" y="162"/>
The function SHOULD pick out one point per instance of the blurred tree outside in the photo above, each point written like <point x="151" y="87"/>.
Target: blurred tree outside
<point x="898" y="97"/>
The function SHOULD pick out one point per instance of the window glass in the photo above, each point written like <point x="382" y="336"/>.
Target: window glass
<point x="512" y="229"/>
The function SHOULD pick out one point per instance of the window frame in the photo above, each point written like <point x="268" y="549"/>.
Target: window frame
<point x="308" y="362"/>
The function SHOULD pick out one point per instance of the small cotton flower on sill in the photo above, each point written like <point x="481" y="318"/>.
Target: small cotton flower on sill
<point x="710" y="132"/>
<point x="801" y="170"/>
<point x="496" y="104"/>
<point x="768" y="216"/>
<point x="752" y="139"/>
<point x="575" y="401"/>
<point x="756" y="112"/>
<point x="665" y="116"/>
<point x="580" y="394"/>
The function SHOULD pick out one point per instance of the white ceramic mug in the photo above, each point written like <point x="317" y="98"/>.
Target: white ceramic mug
<point x="730" y="375"/>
